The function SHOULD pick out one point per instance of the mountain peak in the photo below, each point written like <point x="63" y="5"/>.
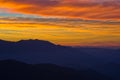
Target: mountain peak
<point x="30" y="42"/>
<point x="33" y="40"/>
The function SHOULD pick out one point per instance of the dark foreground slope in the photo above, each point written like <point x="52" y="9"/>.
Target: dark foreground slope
<point x="14" y="70"/>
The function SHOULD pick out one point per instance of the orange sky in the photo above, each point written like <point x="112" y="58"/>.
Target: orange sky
<point x="84" y="9"/>
<point x="65" y="22"/>
<point x="68" y="33"/>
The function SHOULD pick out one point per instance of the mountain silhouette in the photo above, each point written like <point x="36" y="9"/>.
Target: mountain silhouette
<point x="80" y="58"/>
<point x="15" y="70"/>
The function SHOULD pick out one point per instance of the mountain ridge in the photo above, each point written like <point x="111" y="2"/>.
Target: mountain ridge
<point x="16" y="70"/>
<point x="36" y="51"/>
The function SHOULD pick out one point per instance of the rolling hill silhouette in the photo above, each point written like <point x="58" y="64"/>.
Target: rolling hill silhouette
<point x="15" y="70"/>
<point x="102" y="60"/>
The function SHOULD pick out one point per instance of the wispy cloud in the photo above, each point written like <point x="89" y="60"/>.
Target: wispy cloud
<point x="84" y="9"/>
<point x="66" y="22"/>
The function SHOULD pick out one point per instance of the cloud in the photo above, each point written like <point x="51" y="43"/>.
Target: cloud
<point x="84" y="9"/>
<point x="62" y="22"/>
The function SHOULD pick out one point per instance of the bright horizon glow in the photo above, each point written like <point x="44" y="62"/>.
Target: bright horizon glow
<point x="99" y="35"/>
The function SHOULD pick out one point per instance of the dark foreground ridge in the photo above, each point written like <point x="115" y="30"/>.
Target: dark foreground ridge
<point x="15" y="70"/>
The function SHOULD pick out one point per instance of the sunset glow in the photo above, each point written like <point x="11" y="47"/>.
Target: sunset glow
<point x="64" y="22"/>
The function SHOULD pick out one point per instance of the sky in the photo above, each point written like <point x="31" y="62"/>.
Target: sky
<point x="64" y="22"/>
